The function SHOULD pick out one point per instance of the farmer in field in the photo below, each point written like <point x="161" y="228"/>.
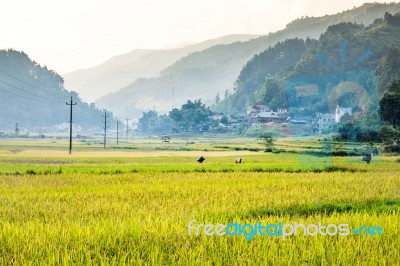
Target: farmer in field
<point x="201" y="159"/>
<point x="367" y="158"/>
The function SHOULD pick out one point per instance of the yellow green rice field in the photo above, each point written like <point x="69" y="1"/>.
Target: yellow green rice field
<point x="133" y="206"/>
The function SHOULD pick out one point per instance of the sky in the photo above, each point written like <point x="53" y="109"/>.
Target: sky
<point x="66" y="35"/>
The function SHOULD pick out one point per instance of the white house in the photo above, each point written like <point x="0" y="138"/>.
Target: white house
<point x="256" y="109"/>
<point x="325" y="121"/>
<point x="269" y="117"/>
<point x="341" y="111"/>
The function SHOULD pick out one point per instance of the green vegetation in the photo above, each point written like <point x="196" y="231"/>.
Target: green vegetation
<point x="133" y="207"/>
<point x="390" y="103"/>
<point x="268" y="140"/>
<point x="152" y="123"/>
<point x="191" y="117"/>
<point x="265" y="65"/>
<point x="371" y="128"/>
<point x="273" y="77"/>
<point x="36" y="96"/>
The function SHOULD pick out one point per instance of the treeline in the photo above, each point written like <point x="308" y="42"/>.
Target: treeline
<point x="34" y="96"/>
<point x="193" y="116"/>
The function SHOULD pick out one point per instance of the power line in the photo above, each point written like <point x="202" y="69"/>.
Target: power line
<point x="43" y="100"/>
<point x="15" y="94"/>
<point x="18" y="117"/>
<point x="22" y="96"/>
<point x="27" y="83"/>
<point x="33" y="94"/>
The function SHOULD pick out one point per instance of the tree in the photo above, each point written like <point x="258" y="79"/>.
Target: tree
<point x="269" y="141"/>
<point x="391" y="139"/>
<point x="176" y="115"/>
<point x="146" y="120"/>
<point x="226" y="95"/>
<point x="224" y="120"/>
<point x="273" y="94"/>
<point x="349" y="132"/>
<point x="389" y="105"/>
<point x="152" y="123"/>
<point x="164" y="124"/>
<point x="192" y="116"/>
<point x="346" y="119"/>
<point x="217" y="99"/>
<point x="388" y="69"/>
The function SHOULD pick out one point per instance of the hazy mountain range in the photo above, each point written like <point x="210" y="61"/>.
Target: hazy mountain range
<point x="211" y="71"/>
<point x="121" y="70"/>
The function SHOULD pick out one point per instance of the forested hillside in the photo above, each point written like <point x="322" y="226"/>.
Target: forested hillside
<point x="366" y="55"/>
<point x="34" y="96"/>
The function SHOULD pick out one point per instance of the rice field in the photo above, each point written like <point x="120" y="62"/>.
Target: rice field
<point x="134" y="206"/>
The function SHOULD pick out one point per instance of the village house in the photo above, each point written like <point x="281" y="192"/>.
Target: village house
<point x="265" y="117"/>
<point x="341" y="111"/>
<point x="256" y="109"/>
<point x="216" y="117"/>
<point x="324" y="121"/>
<point x="301" y="120"/>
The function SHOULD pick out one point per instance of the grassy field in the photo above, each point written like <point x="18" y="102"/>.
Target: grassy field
<point x="132" y="204"/>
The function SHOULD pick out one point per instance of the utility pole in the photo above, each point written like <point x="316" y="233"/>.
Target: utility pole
<point x="127" y="127"/>
<point x="105" y="128"/>
<point x="117" y="130"/>
<point x="16" y="129"/>
<point x="70" y="125"/>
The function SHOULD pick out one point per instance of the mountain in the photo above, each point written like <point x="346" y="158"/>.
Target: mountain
<point x="350" y="65"/>
<point x="206" y="73"/>
<point x="35" y="97"/>
<point x="266" y="65"/>
<point x="120" y="71"/>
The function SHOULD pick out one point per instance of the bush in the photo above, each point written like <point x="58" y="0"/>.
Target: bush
<point x="392" y="148"/>
<point x="268" y="141"/>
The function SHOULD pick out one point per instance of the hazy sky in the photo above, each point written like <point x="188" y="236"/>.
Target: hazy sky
<point x="67" y="35"/>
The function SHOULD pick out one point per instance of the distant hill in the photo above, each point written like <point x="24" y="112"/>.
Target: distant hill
<point x="35" y="97"/>
<point x="367" y="56"/>
<point x="206" y="73"/>
<point x="121" y="70"/>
